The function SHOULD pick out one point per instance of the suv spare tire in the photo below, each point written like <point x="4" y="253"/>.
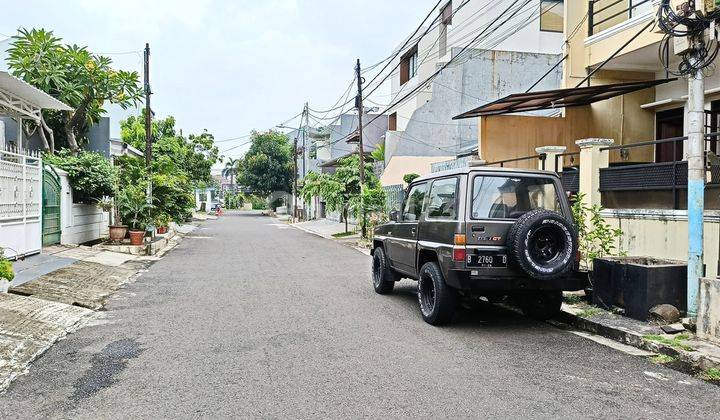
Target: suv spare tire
<point x="543" y="244"/>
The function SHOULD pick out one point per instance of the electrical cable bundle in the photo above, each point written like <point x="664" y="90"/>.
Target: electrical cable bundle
<point x="691" y="24"/>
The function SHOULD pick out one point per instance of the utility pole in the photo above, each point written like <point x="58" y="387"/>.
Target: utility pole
<point x="305" y="131"/>
<point x="359" y="106"/>
<point x="148" y="124"/>
<point x="295" y="179"/>
<point x="691" y="29"/>
<point x="696" y="184"/>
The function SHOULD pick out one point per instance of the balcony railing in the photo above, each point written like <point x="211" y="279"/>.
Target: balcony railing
<point x="603" y="14"/>
<point x="658" y="175"/>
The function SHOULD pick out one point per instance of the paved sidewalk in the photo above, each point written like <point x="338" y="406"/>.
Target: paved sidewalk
<point x="324" y="227"/>
<point x="28" y="327"/>
<point x="86" y="284"/>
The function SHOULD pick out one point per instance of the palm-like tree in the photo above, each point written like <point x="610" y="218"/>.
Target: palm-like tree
<point x="230" y="170"/>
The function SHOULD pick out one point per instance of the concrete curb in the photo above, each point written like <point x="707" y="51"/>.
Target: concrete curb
<point x="694" y="362"/>
<point x="312" y="232"/>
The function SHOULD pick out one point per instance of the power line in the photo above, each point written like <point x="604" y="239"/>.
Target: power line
<point x="459" y="55"/>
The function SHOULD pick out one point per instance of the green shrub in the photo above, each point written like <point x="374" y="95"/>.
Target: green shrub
<point x="596" y="237"/>
<point x="258" y="203"/>
<point x="6" y="268"/>
<point x="91" y="175"/>
<point x="408" y="178"/>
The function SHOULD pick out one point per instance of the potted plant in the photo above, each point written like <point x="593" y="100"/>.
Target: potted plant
<point x="6" y="272"/>
<point x="117" y="230"/>
<point x="134" y="209"/>
<point x="596" y="239"/>
<point x="162" y="221"/>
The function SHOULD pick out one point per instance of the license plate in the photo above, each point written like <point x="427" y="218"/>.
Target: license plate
<point x="487" y="260"/>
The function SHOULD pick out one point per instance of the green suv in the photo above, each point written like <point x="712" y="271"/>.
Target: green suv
<point x="481" y="231"/>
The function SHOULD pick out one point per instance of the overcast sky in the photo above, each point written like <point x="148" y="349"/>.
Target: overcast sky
<point x="229" y="66"/>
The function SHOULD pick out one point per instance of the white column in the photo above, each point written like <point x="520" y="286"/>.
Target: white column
<point x="592" y="159"/>
<point x="551" y="153"/>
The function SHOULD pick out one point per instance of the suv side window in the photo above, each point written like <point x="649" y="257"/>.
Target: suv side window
<point x="443" y="199"/>
<point x="414" y="203"/>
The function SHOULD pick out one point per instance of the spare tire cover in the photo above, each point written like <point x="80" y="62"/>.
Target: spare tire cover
<point x="543" y="244"/>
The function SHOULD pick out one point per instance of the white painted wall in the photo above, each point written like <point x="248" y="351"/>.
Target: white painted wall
<point x="79" y="222"/>
<point x="468" y="22"/>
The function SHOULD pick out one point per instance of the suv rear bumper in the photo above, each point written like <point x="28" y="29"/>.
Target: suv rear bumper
<point x="462" y="279"/>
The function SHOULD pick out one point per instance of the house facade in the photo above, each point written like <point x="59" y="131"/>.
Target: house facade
<point x="619" y="135"/>
<point x="488" y="57"/>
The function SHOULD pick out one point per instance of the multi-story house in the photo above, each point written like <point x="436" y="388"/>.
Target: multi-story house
<point x="491" y="48"/>
<point x="622" y="124"/>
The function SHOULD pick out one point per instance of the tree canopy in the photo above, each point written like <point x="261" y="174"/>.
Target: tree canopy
<point x="341" y="190"/>
<point x="179" y="165"/>
<point x="194" y="156"/>
<point x="75" y="76"/>
<point x="268" y="165"/>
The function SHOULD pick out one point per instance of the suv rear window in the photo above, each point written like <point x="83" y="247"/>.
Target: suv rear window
<point x="496" y="197"/>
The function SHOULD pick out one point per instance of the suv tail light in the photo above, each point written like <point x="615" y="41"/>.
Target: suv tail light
<point x="459" y="251"/>
<point x="459" y="254"/>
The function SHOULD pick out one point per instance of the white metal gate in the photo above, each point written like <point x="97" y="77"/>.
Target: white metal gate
<point x="20" y="202"/>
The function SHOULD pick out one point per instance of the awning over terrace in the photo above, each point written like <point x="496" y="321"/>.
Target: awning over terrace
<point x="558" y="98"/>
<point x="21" y="100"/>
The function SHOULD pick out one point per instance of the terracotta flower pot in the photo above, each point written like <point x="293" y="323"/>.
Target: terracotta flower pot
<point x="117" y="233"/>
<point x="162" y="230"/>
<point x="136" y="237"/>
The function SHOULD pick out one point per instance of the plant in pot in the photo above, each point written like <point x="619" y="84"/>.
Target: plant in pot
<point x="117" y="230"/>
<point x="596" y="239"/>
<point x="6" y="272"/>
<point x="134" y="210"/>
<point x="162" y="221"/>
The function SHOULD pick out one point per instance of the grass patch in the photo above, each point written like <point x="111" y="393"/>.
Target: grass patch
<point x="342" y="234"/>
<point x="662" y="359"/>
<point x="712" y="374"/>
<point x="676" y="342"/>
<point x="572" y="299"/>
<point x="589" y="311"/>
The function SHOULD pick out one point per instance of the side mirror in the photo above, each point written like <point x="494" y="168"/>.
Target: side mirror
<point x="394" y="215"/>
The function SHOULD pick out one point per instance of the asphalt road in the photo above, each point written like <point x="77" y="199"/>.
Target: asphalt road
<point x="252" y="318"/>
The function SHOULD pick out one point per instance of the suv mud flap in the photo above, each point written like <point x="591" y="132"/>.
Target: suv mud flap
<point x="461" y="279"/>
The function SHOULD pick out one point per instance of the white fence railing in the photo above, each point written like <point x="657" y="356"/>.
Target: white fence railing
<point x="20" y="202"/>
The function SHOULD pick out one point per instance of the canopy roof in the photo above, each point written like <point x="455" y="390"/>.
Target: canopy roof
<point x="558" y="98"/>
<point x="19" y="99"/>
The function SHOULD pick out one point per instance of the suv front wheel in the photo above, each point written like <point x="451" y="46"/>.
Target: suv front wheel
<point x="437" y="300"/>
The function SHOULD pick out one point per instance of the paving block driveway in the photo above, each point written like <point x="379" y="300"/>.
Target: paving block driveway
<point x="248" y="317"/>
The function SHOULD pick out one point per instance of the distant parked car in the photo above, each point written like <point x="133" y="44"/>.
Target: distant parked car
<point x="481" y="231"/>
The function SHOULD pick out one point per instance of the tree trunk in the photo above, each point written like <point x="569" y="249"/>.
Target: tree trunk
<point x="70" y="135"/>
<point x="74" y="121"/>
<point x="345" y="217"/>
<point x="50" y="133"/>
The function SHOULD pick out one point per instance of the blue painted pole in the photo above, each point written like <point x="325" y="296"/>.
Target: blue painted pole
<point x="696" y="188"/>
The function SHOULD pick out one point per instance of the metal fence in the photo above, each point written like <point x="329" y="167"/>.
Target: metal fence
<point x="450" y="164"/>
<point x="394" y="196"/>
<point x="20" y="202"/>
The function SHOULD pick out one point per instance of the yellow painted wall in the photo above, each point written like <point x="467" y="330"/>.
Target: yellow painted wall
<point x="665" y="239"/>
<point x="399" y="166"/>
<point x="621" y="119"/>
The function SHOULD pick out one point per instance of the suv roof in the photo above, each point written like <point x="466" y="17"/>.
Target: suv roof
<point x="468" y="169"/>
